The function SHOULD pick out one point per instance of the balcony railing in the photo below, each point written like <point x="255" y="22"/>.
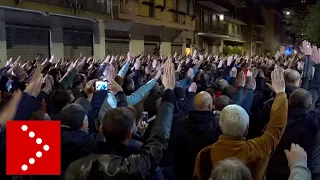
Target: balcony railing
<point x="97" y="6"/>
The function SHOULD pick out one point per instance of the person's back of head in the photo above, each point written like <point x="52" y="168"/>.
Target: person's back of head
<point x="117" y="125"/>
<point x="128" y="84"/>
<point x="40" y="115"/>
<point x="203" y="101"/>
<point x="222" y="102"/>
<point x="60" y="99"/>
<point x="119" y="80"/>
<point x="212" y="93"/>
<point x="179" y="92"/>
<point x="292" y="78"/>
<point x="221" y="84"/>
<point x="229" y="91"/>
<point x="300" y="98"/>
<point x="231" y="169"/>
<point x="234" y="121"/>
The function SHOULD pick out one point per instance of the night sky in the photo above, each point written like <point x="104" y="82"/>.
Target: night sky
<point x="283" y="3"/>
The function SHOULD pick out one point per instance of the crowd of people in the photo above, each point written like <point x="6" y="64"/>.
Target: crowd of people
<point x="201" y="116"/>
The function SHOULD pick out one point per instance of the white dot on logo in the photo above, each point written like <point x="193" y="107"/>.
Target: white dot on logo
<point x="31" y="134"/>
<point x="31" y="161"/>
<point x="46" y="147"/>
<point x="39" y="154"/>
<point x="24" y="127"/>
<point x="39" y="140"/>
<point x="24" y="167"/>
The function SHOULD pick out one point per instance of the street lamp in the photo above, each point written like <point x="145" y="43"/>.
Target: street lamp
<point x="288" y="13"/>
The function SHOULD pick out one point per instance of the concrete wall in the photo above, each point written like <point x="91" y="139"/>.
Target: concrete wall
<point x="136" y="47"/>
<point x="269" y="31"/>
<point x="3" y="43"/>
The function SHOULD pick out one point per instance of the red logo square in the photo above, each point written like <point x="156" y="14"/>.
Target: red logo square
<point x="33" y="148"/>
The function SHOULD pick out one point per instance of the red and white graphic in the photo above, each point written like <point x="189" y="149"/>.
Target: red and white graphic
<point x="33" y="148"/>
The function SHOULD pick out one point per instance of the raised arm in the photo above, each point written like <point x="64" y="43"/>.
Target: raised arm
<point x="278" y="118"/>
<point x="136" y="96"/>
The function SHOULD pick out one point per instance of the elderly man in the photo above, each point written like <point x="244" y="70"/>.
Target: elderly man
<point x="234" y="123"/>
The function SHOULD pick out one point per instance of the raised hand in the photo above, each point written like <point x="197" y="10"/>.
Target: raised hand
<point x="52" y="59"/>
<point x="115" y="87"/>
<point x="193" y="87"/>
<point x="315" y="55"/>
<point x="306" y="48"/>
<point x="277" y="79"/>
<point x="251" y="83"/>
<point x="229" y="60"/>
<point x="137" y="64"/>
<point x="233" y="72"/>
<point x="34" y="87"/>
<point x="296" y="153"/>
<point x="49" y="81"/>
<point x="107" y="59"/>
<point x="81" y="64"/>
<point x="111" y="74"/>
<point x="190" y="73"/>
<point x="168" y="78"/>
<point x="241" y="80"/>
<point x="89" y="88"/>
<point x="10" y="109"/>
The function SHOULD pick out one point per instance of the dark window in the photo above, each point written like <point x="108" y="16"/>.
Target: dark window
<point x="151" y="9"/>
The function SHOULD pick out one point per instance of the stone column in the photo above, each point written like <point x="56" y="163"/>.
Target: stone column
<point x="56" y="42"/>
<point x="99" y="41"/>
<point x="165" y="48"/>
<point x="136" y="47"/>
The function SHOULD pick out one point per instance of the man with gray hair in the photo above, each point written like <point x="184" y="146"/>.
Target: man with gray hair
<point x="231" y="169"/>
<point x="234" y="124"/>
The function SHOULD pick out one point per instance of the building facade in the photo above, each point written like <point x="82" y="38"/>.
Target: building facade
<point x="31" y="28"/>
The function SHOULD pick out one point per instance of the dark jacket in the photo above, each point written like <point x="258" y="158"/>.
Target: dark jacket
<point x="199" y="130"/>
<point x="267" y="108"/>
<point x="302" y="129"/>
<point x="181" y="110"/>
<point x="134" y="166"/>
<point x="76" y="145"/>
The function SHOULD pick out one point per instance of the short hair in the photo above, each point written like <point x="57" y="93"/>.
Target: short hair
<point x="179" y="92"/>
<point x="231" y="169"/>
<point x="222" y="102"/>
<point x="40" y="115"/>
<point x="60" y="99"/>
<point x="229" y="91"/>
<point x="221" y="84"/>
<point x="300" y="98"/>
<point x="234" y="121"/>
<point x="117" y="123"/>
<point x="119" y="80"/>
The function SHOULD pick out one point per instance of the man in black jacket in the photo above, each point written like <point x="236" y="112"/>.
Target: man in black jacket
<point x="114" y="162"/>
<point x="199" y="130"/>
<point x="303" y="129"/>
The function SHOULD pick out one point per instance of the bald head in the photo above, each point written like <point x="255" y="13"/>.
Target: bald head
<point x="292" y="78"/>
<point x="203" y="101"/>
